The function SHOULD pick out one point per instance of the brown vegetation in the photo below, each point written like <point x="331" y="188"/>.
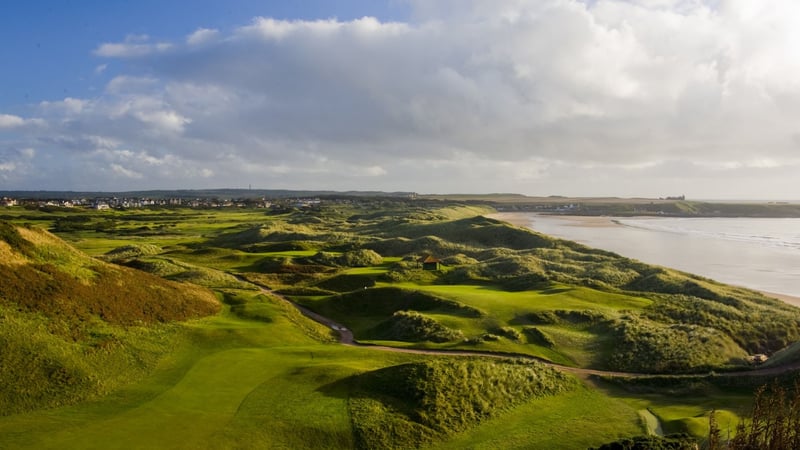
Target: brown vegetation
<point x="117" y="295"/>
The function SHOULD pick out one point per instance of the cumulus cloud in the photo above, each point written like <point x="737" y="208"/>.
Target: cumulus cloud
<point x="202" y="36"/>
<point x="601" y="97"/>
<point x="10" y="121"/>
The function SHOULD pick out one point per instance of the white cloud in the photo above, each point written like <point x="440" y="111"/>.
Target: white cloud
<point x="133" y="46"/>
<point x="202" y="36"/>
<point x="68" y="106"/>
<point x="10" y="121"/>
<point x="374" y="171"/>
<point x="124" y="83"/>
<point x="122" y="171"/>
<point x="535" y="96"/>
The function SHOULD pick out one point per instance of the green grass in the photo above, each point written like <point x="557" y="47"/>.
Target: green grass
<point x="575" y="345"/>
<point x="259" y="375"/>
<point x="576" y="420"/>
<point x="412" y="404"/>
<point x="204" y="387"/>
<point x="507" y="305"/>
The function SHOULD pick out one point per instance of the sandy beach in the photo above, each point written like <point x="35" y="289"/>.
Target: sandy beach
<point x="527" y="220"/>
<point x="524" y="220"/>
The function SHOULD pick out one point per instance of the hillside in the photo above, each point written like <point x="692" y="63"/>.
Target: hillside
<point x="261" y="375"/>
<point x="73" y="326"/>
<point x="604" y="311"/>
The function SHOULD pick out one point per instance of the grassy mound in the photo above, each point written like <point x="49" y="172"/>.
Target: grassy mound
<point x="432" y="245"/>
<point x="131" y="251"/>
<point x="411" y="326"/>
<point x="354" y="258"/>
<point x="644" y="346"/>
<point x="181" y="271"/>
<point x="477" y="232"/>
<point x="386" y="301"/>
<point x="60" y="282"/>
<point x="346" y="283"/>
<point x="410" y="405"/>
<point x="72" y="327"/>
<point x="39" y="368"/>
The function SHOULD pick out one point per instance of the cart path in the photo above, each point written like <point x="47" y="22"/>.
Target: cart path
<point x="346" y="337"/>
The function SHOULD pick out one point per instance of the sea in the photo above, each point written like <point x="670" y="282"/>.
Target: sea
<point x="757" y="253"/>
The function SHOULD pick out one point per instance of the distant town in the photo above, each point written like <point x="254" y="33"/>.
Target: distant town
<point x="221" y="198"/>
<point x="103" y="203"/>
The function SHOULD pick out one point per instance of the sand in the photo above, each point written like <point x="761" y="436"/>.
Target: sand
<point x="524" y="220"/>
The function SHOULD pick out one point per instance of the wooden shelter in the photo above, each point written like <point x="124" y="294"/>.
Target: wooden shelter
<point x="431" y="263"/>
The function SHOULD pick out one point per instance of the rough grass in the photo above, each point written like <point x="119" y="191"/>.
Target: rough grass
<point x="253" y="376"/>
<point x="72" y="327"/>
<point x="40" y="369"/>
<point x="414" y="404"/>
<point x="131" y="251"/>
<point x="385" y="301"/>
<point x="411" y="326"/>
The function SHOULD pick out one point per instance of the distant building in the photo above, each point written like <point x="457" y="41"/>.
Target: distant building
<point x="431" y="263"/>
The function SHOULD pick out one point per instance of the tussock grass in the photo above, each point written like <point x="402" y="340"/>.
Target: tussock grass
<point x="131" y="251"/>
<point x="72" y="327"/>
<point x="411" y="405"/>
<point x="42" y="369"/>
<point x="411" y="326"/>
<point x="385" y="301"/>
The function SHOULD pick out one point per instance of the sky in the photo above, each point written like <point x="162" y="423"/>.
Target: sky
<point x="627" y="98"/>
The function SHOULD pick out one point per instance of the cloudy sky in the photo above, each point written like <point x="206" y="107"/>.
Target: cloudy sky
<point x="541" y="97"/>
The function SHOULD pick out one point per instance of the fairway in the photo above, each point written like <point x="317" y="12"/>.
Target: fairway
<point x="255" y="397"/>
<point x="507" y="305"/>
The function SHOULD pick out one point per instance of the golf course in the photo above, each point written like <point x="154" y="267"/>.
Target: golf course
<point x="320" y="327"/>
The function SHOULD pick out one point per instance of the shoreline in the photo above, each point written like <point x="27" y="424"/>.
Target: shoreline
<point x="524" y="220"/>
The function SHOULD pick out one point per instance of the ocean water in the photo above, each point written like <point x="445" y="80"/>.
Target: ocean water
<point x="761" y="254"/>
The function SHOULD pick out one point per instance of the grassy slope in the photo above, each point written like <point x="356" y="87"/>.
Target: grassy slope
<point x="238" y="383"/>
<point x="280" y="406"/>
<point x="74" y="327"/>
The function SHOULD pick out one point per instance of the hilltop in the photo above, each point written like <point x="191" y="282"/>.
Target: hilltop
<point x="74" y="326"/>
